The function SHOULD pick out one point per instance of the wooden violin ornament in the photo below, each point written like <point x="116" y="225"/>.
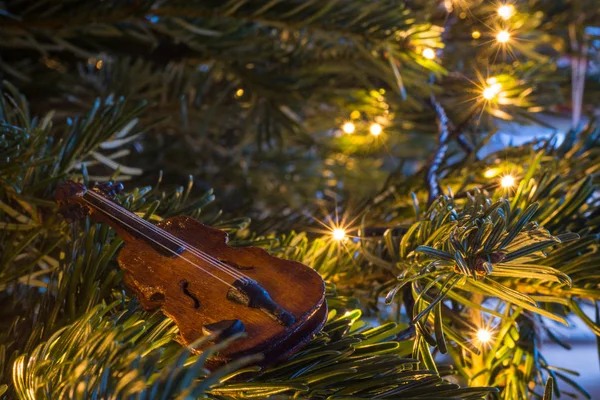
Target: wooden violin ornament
<point x="207" y="287"/>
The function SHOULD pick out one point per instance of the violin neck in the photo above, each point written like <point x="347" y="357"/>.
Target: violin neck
<point x="129" y="225"/>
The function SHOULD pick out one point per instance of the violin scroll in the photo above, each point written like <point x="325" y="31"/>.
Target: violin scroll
<point x="69" y="197"/>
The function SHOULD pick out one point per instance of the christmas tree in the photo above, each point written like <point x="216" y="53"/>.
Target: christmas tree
<point x="348" y="135"/>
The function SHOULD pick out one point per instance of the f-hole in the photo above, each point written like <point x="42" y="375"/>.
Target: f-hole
<point x="184" y="286"/>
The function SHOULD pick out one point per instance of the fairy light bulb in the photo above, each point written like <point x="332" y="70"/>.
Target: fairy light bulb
<point x="338" y="234"/>
<point x="429" y="53"/>
<point x="476" y="34"/>
<point x="506" y="11"/>
<point x="239" y="93"/>
<point x="503" y="37"/>
<point x="448" y="5"/>
<point x="488" y="93"/>
<point x="492" y="90"/>
<point x="484" y="336"/>
<point x="490" y="173"/>
<point x="348" y="127"/>
<point x="507" y="181"/>
<point x="375" y="129"/>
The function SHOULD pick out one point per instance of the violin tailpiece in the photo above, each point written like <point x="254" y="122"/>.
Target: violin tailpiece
<point x="251" y="294"/>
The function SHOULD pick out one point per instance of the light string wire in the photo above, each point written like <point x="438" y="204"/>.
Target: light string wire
<point x="206" y="257"/>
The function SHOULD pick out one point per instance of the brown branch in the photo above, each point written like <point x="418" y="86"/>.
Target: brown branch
<point x="432" y="178"/>
<point x="465" y="144"/>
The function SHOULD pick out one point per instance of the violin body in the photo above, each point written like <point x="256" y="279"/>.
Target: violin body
<point x="278" y="304"/>
<point x="298" y="289"/>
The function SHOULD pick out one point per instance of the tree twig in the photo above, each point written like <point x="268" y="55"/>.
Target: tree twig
<point x="465" y="144"/>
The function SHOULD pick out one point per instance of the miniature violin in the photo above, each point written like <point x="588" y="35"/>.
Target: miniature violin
<point x="187" y="270"/>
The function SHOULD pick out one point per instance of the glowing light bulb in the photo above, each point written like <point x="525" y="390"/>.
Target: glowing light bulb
<point x="484" y="336"/>
<point x="490" y="173"/>
<point x="375" y="129"/>
<point x="506" y="11"/>
<point x="339" y="234"/>
<point x="239" y="93"/>
<point x="493" y="90"/>
<point x="476" y="34"/>
<point x="348" y="127"/>
<point x="429" y="53"/>
<point x="488" y="93"/>
<point x="507" y="181"/>
<point x="503" y="37"/>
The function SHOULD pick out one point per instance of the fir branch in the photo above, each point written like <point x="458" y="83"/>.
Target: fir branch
<point x="117" y="351"/>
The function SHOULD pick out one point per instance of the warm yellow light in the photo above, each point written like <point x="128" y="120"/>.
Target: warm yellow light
<point x="355" y="114"/>
<point x="507" y="181"/>
<point x="375" y="129"/>
<point x="476" y="34"/>
<point x="348" y="127"/>
<point x="429" y="53"/>
<point x="484" y="336"/>
<point x="99" y="64"/>
<point x="491" y="91"/>
<point x="490" y="173"/>
<point x="339" y="234"/>
<point x="492" y="80"/>
<point x="239" y="93"/>
<point x="503" y="37"/>
<point x="449" y="6"/>
<point x="488" y="93"/>
<point x="506" y="11"/>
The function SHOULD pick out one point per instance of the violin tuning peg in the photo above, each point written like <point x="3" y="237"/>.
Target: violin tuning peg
<point x="224" y="329"/>
<point x="110" y="189"/>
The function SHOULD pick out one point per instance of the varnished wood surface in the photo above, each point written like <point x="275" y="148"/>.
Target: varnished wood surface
<point x="192" y="291"/>
<point x="158" y="282"/>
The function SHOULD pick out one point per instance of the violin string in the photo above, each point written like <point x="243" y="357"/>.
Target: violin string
<point x="174" y="239"/>
<point x="162" y="245"/>
<point x="163" y="233"/>
<point x="200" y="254"/>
